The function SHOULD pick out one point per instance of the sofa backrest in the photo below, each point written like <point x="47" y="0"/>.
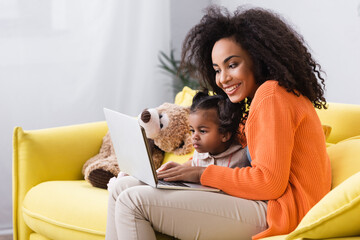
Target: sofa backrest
<point x="344" y="120"/>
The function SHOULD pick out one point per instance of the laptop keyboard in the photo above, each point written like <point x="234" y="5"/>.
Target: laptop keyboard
<point x="180" y="184"/>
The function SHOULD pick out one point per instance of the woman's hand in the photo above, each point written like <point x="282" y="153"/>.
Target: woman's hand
<point x="172" y="171"/>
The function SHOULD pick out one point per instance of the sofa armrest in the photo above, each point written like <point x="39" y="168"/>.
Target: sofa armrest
<point x="50" y="154"/>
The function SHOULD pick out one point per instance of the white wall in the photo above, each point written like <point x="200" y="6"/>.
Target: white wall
<point x="184" y="15"/>
<point x="332" y="30"/>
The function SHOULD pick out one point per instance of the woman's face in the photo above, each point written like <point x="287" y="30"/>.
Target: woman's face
<point x="233" y="68"/>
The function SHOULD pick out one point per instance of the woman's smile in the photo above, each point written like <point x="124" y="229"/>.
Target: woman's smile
<point x="232" y="89"/>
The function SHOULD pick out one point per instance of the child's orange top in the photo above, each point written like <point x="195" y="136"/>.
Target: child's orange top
<point x="290" y="166"/>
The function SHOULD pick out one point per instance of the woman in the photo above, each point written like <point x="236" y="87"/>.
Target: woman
<point x="252" y="57"/>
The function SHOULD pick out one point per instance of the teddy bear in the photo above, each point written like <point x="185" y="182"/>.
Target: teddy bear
<point x="167" y="130"/>
<point x="168" y="126"/>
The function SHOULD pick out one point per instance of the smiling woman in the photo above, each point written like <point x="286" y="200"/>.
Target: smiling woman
<point x="233" y="70"/>
<point x="251" y="57"/>
<point x="254" y="57"/>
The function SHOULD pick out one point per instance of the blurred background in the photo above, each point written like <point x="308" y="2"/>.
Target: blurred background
<point x="62" y="61"/>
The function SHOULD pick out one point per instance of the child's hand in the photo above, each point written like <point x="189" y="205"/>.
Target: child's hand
<point x="167" y="165"/>
<point x="176" y="172"/>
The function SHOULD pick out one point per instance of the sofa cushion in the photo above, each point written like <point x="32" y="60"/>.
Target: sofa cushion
<point x="345" y="159"/>
<point x="66" y="210"/>
<point x="184" y="98"/>
<point x="170" y="157"/>
<point x="336" y="215"/>
<point x="36" y="236"/>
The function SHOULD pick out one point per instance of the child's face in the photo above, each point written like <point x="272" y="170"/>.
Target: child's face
<point x="205" y="132"/>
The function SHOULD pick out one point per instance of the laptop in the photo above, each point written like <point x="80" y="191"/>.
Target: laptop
<point x="133" y="153"/>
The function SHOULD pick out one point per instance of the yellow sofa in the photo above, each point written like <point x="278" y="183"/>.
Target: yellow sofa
<point x="52" y="201"/>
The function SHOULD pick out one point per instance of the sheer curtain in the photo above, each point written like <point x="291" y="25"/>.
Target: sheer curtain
<point x="62" y="61"/>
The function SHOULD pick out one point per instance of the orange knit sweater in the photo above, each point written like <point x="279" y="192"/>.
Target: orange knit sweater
<point x="290" y="166"/>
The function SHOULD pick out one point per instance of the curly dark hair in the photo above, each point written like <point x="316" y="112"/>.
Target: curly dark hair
<point x="228" y="113"/>
<point x="277" y="51"/>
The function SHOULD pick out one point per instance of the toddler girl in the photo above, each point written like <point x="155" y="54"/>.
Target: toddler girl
<point x="214" y="123"/>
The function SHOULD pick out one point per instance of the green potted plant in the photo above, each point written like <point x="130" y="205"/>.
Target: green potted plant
<point x="181" y="77"/>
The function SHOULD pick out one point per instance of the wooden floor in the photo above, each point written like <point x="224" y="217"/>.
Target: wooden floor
<point x="6" y="237"/>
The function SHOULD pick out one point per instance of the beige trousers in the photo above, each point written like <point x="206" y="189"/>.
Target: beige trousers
<point x="135" y="210"/>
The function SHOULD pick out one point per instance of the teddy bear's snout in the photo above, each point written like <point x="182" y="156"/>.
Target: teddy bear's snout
<point x="145" y="116"/>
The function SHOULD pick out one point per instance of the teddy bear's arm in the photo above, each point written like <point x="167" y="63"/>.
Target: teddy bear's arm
<point x="187" y="147"/>
<point x="158" y="157"/>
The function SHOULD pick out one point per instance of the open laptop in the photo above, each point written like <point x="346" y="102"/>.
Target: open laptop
<point x="133" y="153"/>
